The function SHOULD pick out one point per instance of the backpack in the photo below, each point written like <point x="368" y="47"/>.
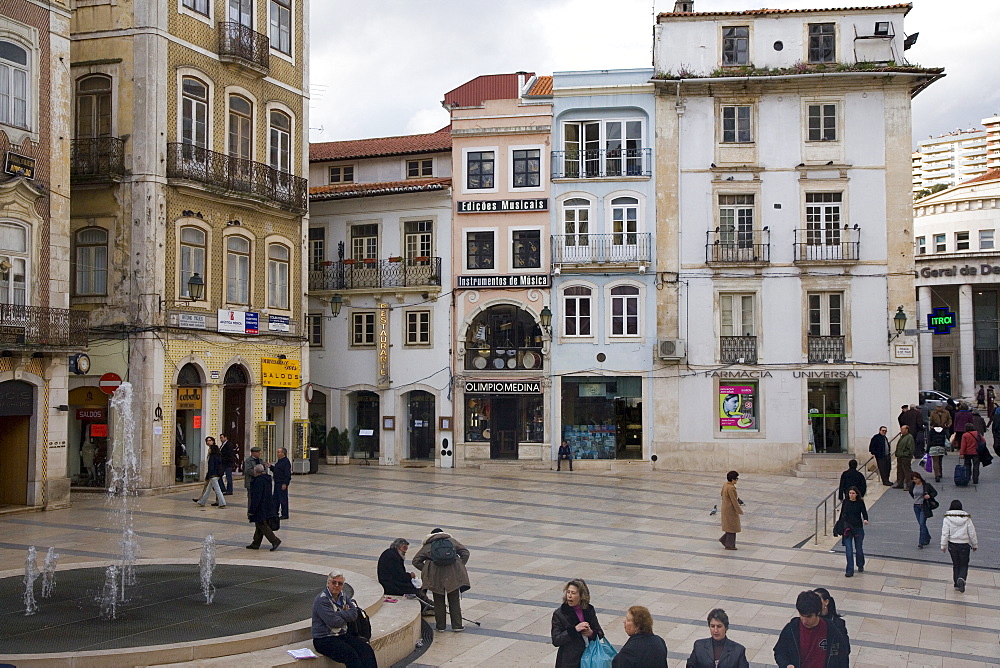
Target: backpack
<point x="443" y="552"/>
<point x="362" y="626"/>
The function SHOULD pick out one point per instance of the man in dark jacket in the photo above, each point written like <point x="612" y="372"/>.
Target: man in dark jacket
<point x="282" y="470"/>
<point x="248" y="466"/>
<point x="880" y="450"/>
<point x="852" y="477"/>
<point x="261" y="509"/>
<point x="393" y="576"/>
<point x="807" y="640"/>
<point x="444" y="579"/>
<point x="228" y="463"/>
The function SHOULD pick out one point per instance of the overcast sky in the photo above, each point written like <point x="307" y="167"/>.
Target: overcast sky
<point x="381" y="67"/>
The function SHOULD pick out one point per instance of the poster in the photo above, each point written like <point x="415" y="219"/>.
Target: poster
<point x="737" y="407"/>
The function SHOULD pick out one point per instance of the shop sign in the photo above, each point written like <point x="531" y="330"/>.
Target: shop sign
<point x="196" y="422"/>
<point x="278" y="323"/>
<point x="16" y="164"/>
<point x="503" y="205"/>
<point x="955" y="270"/>
<point x="382" y="343"/>
<point x="188" y="398"/>
<point x="736" y="407"/>
<point x="238" y="322"/>
<point x="215" y="375"/>
<point x="277" y="397"/>
<point x="941" y="320"/>
<point x="98" y="431"/>
<point x="192" y="321"/>
<point x="16" y="398"/>
<point x="90" y="414"/>
<point x="276" y="372"/>
<point x="505" y="281"/>
<point x="764" y="373"/>
<point x="504" y="387"/>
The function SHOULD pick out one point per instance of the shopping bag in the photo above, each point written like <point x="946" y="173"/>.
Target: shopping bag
<point x="599" y="654"/>
<point x="928" y="464"/>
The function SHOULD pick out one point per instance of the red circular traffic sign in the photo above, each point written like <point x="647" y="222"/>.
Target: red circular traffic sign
<point x="109" y="382"/>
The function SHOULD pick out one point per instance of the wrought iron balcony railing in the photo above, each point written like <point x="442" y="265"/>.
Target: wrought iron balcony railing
<point x="97" y="159"/>
<point x="40" y="327"/>
<point x="738" y="349"/>
<point x="602" y="163"/>
<point x="827" y="349"/>
<point x="622" y="248"/>
<point x="240" y="43"/>
<point x="361" y="274"/>
<point x="831" y="244"/>
<point x="732" y="247"/>
<point x="236" y="175"/>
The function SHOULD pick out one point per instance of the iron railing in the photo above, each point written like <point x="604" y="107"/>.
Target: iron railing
<point x="97" y="158"/>
<point x="731" y="247"/>
<point x="360" y="274"/>
<point x="39" y="326"/>
<point x="239" y="42"/>
<point x="622" y="248"/>
<point x="602" y="163"/>
<point x="236" y="175"/>
<point x="738" y="349"/>
<point x="827" y="349"/>
<point x="829" y="245"/>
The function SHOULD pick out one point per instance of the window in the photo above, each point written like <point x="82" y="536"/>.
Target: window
<point x="200" y="6"/>
<point x="342" y="174"/>
<point x="363" y="328"/>
<point x="736" y="220"/>
<point x="93" y="107"/>
<point x="194" y="112"/>
<point x="940" y="243"/>
<point x="281" y="26"/>
<point x="625" y="311"/>
<point x="822" y="122"/>
<point x="13" y="264"/>
<point x="822" y="43"/>
<point x="277" y="276"/>
<point x="826" y="314"/>
<point x="961" y="241"/>
<point x="317" y="248"/>
<point x="416" y="168"/>
<point x="576" y="222"/>
<point x="736" y="315"/>
<point x="418" y="328"/>
<point x="92" y="261"/>
<point x="986" y="239"/>
<point x="13" y="85"/>
<point x="735" y="45"/>
<point x="479" y="250"/>
<point x="240" y="113"/>
<point x="576" y="307"/>
<point x="479" y="166"/>
<point x="736" y="125"/>
<point x="238" y="270"/>
<point x="193" y="244"/>
<point x="527" y="249"/>
<point x="281" y="139"/>
<point x="419" y="239"/>
<point x="624" y="221"/>
<point x="603" y="148"/>
<point x="527" y="168"/>
<point x="921" y="245"/>
<point x="241" y="12"/>
<point x="823" y="219"/>
<point x="314" y="329"/>
<point x="364" y="241"/>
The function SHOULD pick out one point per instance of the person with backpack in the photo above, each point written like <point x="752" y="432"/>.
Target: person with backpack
<point x="958" y="537"/>
<point x="441" y="561"/>
<point x="969" y="451"/>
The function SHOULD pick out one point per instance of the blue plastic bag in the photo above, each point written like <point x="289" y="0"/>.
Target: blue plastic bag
<point x="599" y="654"/>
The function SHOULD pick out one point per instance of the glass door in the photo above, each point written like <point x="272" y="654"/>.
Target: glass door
<point x="828" y="416"/>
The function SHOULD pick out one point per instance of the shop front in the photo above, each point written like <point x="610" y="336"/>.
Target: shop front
<point x="827" y="416"/>
<point x="88" y="436"/>
<point x="17" y="407"/>
<point x="188" y="425"/>
<point x="506" y="416"/>
<point x="602" y="416"/>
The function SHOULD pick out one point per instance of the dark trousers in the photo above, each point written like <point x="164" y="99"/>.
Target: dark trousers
<point x="228" y="487"/>
<point x="972" y="463"/>
<point x="936" y="465"/>
<point x="568" y="458"/>
<point x="728" y="540"/>
<point x="959" y="560"/>
<point x="454" y="605"/>
<point x="263" y="531"/>
<point x="904" y="472"/>
<point x="281" y="501"/>
<point x="350" y="650"/>
<point x="884" y="466"/>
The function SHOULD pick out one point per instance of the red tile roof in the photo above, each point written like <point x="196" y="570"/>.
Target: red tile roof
<point x="765" y="12"/>
<point x="486" y="87"/>
<point x="992" y="175"/>
<point x="542" y="86"/>
<point x="351" y="190"/>
<point x="381" y="146"/>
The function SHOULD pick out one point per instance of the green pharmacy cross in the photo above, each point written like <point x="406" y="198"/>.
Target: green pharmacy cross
<point x="942" y="321"/>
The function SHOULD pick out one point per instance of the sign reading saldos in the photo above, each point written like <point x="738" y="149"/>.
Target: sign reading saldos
<point x="505" y="281"/>
<point x="503" y="205"/>
<point x="504" y="387"/>
<point x="277" y="372"/>
<point x="382" y="345"/>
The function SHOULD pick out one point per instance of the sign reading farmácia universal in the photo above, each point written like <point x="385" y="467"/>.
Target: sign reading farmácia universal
<point x="502" y="205"/>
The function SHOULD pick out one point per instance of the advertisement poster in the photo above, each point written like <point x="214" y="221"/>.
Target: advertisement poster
<point x="737" y="409"/>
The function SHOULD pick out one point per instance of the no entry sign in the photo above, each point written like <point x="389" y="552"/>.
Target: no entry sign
<point x="110" y="382"/>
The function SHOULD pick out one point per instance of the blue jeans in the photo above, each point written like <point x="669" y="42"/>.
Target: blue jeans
<point x="925" y="535"/>
<point x="853" y="549"/>
<point x="228" y="487"/>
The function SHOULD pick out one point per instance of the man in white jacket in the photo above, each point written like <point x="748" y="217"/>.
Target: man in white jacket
<point x="958" y="535"/>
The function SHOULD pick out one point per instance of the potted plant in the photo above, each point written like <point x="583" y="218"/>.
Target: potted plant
<point x="395" y="258"/>
<point x="370" y="260"/>
<point x="350" y="261"/>
<point x="338" y="444"/>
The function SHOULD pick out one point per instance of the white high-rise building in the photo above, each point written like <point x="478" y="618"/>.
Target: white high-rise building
<point x="950" y="158"/>
<point x="992" y="126"/>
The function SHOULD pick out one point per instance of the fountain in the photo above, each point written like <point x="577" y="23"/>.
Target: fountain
<point x="109" y="595"/>
<point x="207" y="567"/>
<point x="122" y="492"/>
<point x="49" y="573"/>
<point x="30" y="575"/>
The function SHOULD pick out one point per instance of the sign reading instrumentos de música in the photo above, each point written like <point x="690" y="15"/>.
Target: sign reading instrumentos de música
<point x="502" y="205"/>
<point x="505" y="281"/>
<point x="238" y="322"/>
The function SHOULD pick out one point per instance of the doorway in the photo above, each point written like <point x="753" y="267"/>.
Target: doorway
<point x="827" y="417"/>
<point x="277" y="403"/>
<point x="366" y="414"/>
<point x="420" y="425"/>
<point x="17" y="401"/>
<point x="942" y="374"/>
<point x="503" y="440"/>
<point x="234" y="404"/>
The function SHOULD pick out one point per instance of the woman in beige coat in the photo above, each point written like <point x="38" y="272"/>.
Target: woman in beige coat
<point x="731" y="511"/>
<point x="444" y="579"/>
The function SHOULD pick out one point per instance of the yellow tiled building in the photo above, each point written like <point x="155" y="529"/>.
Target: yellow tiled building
<point x="188" y="204"/>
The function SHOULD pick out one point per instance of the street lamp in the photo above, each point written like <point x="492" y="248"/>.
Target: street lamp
<point x="336" y="304"/>
<point x="546" y="318"/>
<point x="196" y="288"/>
<point x="899" y="321"/>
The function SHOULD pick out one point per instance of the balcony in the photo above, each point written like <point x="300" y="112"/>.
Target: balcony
<point x="738" y="349"/>
<point x="244" y="47"/>
<point x="599" y="250"/>
<point x="236" y="176"/>
<point x="97" y="159"/>
<point x="740" y="248"/>
<point x="38" y="327"/>
<point x="376" y="274"/>
<point x="829" y="245"/>
<point x="826" y="349"/>
<point x="602" y="163"/>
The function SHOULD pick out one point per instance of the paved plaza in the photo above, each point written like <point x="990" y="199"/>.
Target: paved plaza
<point x="637" y="538"/>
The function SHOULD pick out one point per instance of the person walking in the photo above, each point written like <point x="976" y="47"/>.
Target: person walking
<point x="854" y="516"/>
<point x="441" y="561"/>
<point x="212" y="477"/>
<point x="991" y="400"/>
<point x="904" y="458"/>
<point x="643" y="649"/>
<point x="830" y="615"/>
<point x="881" y="450"/>
<point x="981" y="396"/>
<point x="731" y="511"/>
<point x="852" y="477"/>
<point x="564" y="453"/>
<point x="969" y="451"/>
<point x="923" y="494"/>
<point x="962" y="417"/>
<point x="282" y="469"/>
<point x="332" y="612"/>
<point x="937" y="448"/>
<point x="573" y="621"/>
<point x="940" y="417"/>
<point x="260" y="509"/>
<point x="248" y="466"/>
<point x="958" y="537"/>
<point x="808" y="640"/>
<point x="228" y="462"/>
<point x="718" y="651"/>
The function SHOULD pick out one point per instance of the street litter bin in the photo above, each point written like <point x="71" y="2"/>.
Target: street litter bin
<point x="313" y="460"/>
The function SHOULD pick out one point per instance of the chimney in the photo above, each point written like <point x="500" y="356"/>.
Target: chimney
<point x="683" y="6"/>
<point x="521" y="79"/>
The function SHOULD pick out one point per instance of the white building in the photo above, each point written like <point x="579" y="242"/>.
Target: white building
<point x="783" y="238"/>
<point x="992" y="125"/>
<point x="949" y="159"/>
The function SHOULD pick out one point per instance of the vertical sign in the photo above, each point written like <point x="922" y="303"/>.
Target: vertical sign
<point x="382" y="337"/>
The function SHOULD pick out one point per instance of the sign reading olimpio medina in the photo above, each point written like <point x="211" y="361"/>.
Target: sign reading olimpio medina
<point x="504" y="387"/>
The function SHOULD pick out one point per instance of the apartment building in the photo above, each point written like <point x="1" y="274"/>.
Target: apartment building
<point x="949" y="159"/>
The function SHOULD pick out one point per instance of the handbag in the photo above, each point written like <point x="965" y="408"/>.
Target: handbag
<point x="933" y="503"/>
<point x="838" y="528"/>
<point x="274" y="523"/>
<point x="599" y="654"/>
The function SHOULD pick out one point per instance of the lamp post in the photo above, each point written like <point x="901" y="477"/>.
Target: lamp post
<point x="899" y="321"/>
<point x="546" y="318"/>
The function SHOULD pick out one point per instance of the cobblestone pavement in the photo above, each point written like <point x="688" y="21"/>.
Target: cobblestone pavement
<point x="638" y="538"/>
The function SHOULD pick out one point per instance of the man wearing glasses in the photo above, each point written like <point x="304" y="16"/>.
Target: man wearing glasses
<point x="332" y="612"/>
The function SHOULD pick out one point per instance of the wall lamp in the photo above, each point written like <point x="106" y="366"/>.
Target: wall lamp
<point x="195" y="290"/>
<point x="899" y="321"/>
<point x="336" y="303"/>
<point x="546" y="318"/>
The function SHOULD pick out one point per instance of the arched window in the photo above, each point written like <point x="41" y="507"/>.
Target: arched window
<point x="624" y="221"/>
<point x="280" y="141"/>
<point x="92" y="261"/>
<point x="236" y="375"/>
<point x="575" y="246"/>
<point x="238" y="270"/>
<point x="277" y="276"/>
<point x="93" y="106"/>
<point x="193" y="245"/>
<point x="240" y="116"/>
<point x="625" y="311"/>
<point x="194" y="112"/>
<point x="13" y="263"/>
<point x="577" y="309"/>
<point x="504" y="337"/>
<point x="189" y="375"/>
<point x="13" y="84"/>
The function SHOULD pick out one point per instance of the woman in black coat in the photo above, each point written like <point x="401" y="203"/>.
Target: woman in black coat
<point x="574" y="619"/>
<point x="719" y="648"/>
<point x="644" y="649"/>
